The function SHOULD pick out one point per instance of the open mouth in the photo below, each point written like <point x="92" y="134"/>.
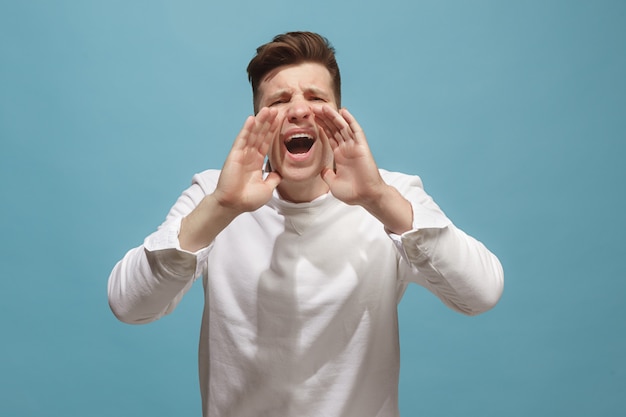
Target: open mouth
<point x="300" y="143"/>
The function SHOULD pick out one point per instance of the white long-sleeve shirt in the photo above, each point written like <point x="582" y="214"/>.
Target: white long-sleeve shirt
<point x="300" y="315"/>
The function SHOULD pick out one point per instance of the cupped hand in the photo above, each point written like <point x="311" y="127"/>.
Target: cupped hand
<point x="241" y="186"/>
<point x="355" y="178"/>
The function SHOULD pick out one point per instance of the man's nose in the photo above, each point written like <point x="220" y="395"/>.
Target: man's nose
<point x="299" y="110"/>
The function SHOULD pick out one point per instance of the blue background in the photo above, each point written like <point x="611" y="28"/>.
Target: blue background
<point x="513" y="114"/>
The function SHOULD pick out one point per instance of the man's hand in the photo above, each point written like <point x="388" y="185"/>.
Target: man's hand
<point x="356" y="179"/>
<point x="241" y="186"/>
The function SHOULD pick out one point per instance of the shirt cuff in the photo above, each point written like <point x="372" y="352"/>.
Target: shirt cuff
<point x="165" y="240"/>
<point x="410" y="244"/>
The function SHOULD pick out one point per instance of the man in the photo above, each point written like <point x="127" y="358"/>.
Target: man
<point x="304" y="257"/>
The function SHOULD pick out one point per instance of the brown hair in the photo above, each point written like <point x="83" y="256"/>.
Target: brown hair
<point x="289" y="49"/>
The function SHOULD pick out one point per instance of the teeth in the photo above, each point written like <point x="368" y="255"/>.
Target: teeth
<point x="299" y="136"/>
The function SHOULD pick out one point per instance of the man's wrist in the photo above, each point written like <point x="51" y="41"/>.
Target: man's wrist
<point x="204" y="223"/>
<point x="392" y="209"/>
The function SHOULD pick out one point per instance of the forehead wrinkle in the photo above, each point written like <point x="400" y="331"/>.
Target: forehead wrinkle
<point x="274" y="85"/>
<point x="316" y="90"/>
<point x="306" y="89"/>
<point x="280" y="93"/>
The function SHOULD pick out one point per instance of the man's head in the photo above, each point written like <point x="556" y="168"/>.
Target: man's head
<point x="289" y="49"/>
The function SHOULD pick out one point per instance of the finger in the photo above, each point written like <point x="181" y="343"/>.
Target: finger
<point x="272" y="131"/>
<point x="326" y="140"/>
<point x="273" y="179"/>
<point x="328" y="175"/>
<point x="354" y="125"/>
<point x="264" y="124"/>
<point x="328" y="132"/>
<point x="339" y="123"/>
<point x="320" y="118"/>
<point x="333" y="124"/>
<point x="244" y="134"/>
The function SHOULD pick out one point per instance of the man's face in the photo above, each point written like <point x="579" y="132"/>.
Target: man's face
<point x="298" y="153"/>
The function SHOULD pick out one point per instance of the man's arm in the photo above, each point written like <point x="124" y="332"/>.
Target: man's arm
<point x="453" y="265"/>
<point x="150" y="280"/>
<point x="456" y="267"/>
<point x="241" y="187"/>
<point x="355" y="178"/>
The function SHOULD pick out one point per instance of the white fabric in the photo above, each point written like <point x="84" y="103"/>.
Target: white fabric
<point x="300" y="317"/>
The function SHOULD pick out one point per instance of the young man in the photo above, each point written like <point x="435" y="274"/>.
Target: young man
<point x="304" y="257"/>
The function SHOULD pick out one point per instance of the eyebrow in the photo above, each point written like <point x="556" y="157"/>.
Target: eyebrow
<point x="317" y="91"/>
<point x="277" y="94"/>
<point x="307" y="90"/>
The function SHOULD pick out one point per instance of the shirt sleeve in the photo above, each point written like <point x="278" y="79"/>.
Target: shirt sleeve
<point x="151" y="279"/>
<point x="454" y="266"/>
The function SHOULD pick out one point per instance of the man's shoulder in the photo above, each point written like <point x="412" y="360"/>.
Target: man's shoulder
<point x="207" y="180"/>
<point x="208" y="174"/>
<point x="400" y="180"/>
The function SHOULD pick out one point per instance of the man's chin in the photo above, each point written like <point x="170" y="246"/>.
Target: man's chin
<point x="300" y="174"/>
